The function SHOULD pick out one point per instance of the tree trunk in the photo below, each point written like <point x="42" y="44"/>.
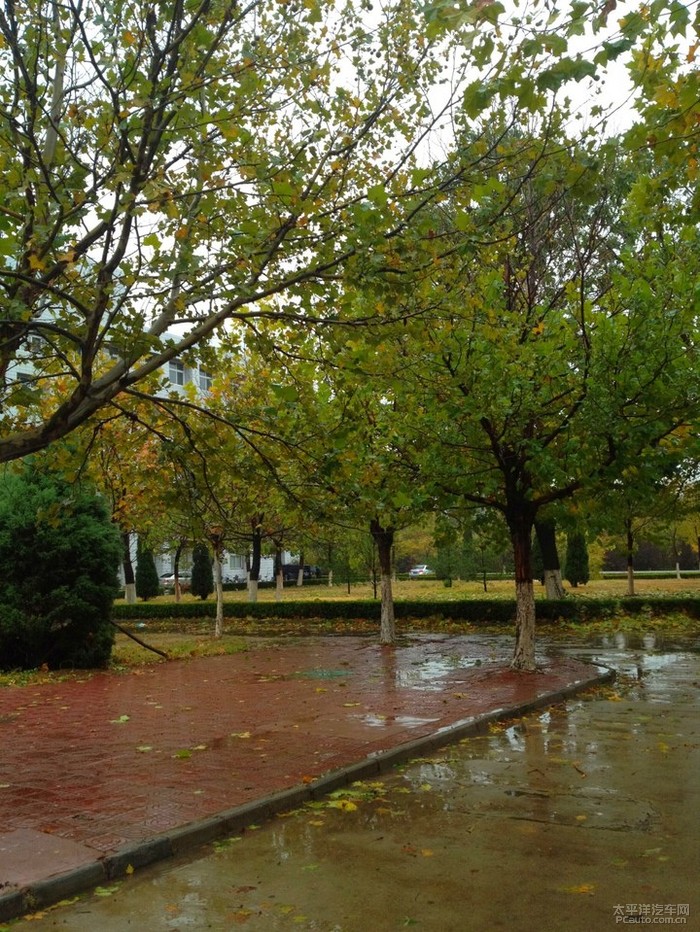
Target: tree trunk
<point x="254" y="574"/>
<point x="547" y="539"/>
<point x="128" y="566"/>
<point x="219" y="587"/>
<point x="176" y="572"/>
<point x="384" y="539"/>
<point x="520" y="526"/>
<point x="300" y="574"/>
<point x="630" y="558"/>
<point x="279" y="573"/>
<point x="330" y="578"/>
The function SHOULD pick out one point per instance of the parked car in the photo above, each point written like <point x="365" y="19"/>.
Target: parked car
<point x="290" y="572"/>
<point x="420" y="570"/>
<point x="167" y="581"/>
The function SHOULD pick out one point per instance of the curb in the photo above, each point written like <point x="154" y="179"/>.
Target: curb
<point x="194" y="835"/>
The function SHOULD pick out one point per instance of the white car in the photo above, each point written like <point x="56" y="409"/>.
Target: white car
<point x="168" y="582"/>
<point x="421" y="570"/>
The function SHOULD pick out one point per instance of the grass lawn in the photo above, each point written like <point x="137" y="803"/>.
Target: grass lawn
<point x="434" y="590"/>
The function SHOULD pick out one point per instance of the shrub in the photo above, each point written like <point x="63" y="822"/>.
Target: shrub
<point x="576" y="569"/>
<point x="202" y="576"/>
<point x="468" y="611"/>
<point x="147" y="582"/>
<point x="59" y="554"/>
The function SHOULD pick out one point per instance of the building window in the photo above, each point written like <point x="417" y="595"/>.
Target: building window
<point x="205" y="380"/>
<point x="176" y="372"/>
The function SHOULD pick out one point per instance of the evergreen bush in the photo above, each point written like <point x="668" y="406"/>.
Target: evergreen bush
<point x="202" y="575"/>
<point x="59" y="553"/>
<point x="576" y="567"/>
<point x="147" y="581"/>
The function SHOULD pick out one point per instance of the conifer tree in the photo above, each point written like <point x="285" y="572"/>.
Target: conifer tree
<point x="147" y="582"/>
<point x="202" y="576"/>
<point x="576" y="567"/>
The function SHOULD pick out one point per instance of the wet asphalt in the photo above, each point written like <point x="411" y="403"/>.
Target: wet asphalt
<point x="583" y="816"/>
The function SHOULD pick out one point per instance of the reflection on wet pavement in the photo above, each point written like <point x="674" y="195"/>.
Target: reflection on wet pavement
<point x="571" y="818"/>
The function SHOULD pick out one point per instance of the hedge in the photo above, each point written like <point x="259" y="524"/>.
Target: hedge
<point x="473" y="611"/>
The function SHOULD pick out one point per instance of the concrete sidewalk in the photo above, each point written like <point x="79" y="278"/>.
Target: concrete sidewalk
<point x="107" y="775"/>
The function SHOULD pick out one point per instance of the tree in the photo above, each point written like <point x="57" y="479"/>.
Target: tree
<point x="59" y="554"/>
<point x="171" y="167"/>
<point x="177" y="164"/>
<point x="202" y="576"/>
<point x="576" y="568"/>
<point x="546" y="359"/>
<point x="147" y="582"/>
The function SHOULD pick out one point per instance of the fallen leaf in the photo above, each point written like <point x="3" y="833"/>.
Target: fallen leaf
<point x="345" y="805"/>
<point x="119" y="721"/>
<point x="240" y="734"/>
<point x="106" y="891"/>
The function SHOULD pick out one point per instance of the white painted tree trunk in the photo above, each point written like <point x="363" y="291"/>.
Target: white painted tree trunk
<point x="330" y="577"/>
<point x="279" y="586"/>
<point x="252" y="590"/>
<point x="524" y="655"/>
<point x="130" y="593"/>
<point x="553" y="585"/>
<point x="630" y="579"/>
<point x="300" y="576"/>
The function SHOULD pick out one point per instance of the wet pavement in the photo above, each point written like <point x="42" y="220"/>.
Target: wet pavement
<point x="581" y="816"/>
<point x="104" y="776"/>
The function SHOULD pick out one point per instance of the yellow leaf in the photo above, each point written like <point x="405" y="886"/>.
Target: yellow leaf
<point x="344" y="804"/>
<point x="427" y="852"/>
<point x="129" y="869"/>
<point x="240" y="734"/>
<point x="586" y="888"/>
<point x="35" y="263"/>
<point x="581" y="818"/>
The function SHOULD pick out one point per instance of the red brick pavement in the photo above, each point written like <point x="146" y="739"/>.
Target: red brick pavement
<point x="94" y="767"/>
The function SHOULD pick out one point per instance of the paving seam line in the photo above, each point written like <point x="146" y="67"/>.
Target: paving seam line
<point x="45" y="893"/>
